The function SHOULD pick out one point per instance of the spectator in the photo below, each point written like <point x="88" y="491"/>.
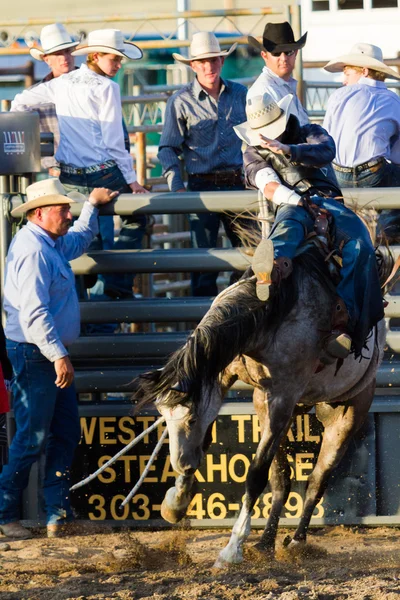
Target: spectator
<point x="5" y="377"/>
<point x="363" y="117"/>
<point x="42" y="311"/>
<point x="92" y="151"/>
<point x="199" y="122"/>
<point x="56" y="52"/>
<point x="279" y="52"/>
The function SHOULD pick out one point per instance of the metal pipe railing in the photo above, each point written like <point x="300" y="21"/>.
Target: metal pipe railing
<point x="230" y="202"/>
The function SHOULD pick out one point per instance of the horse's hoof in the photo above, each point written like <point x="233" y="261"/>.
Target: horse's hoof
<point x="221" y="563"/>
<point x="287" y="541"/>
<point x="268" y="551"/>
<point x="171" y="515"/>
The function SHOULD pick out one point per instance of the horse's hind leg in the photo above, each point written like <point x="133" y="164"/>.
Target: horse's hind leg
<point x="279" y="480"/>
<point x="340" y="422"/>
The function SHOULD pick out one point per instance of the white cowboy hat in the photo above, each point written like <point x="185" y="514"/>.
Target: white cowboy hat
<point x="53" y="38"/>
<point x="362" y="55"/>
<point x="110" y="41"/>
<point x="45" y="193"/>
<point x="264" y="116"/>
<point x="204" y="45"/>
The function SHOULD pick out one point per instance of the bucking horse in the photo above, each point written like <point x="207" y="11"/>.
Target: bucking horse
<point x="275" y="346"/>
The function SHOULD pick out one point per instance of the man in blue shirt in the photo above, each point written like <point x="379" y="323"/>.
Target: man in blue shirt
<point x="42" y="321"/>
<point x="199" y="122"/>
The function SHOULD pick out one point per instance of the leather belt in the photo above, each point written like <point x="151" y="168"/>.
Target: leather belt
<point x="220" y="177"/>
<point x="359" y="168"/>
<point x="108" y="164"/>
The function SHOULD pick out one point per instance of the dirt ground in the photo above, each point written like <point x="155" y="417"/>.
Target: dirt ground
<point x="338" y="563"/>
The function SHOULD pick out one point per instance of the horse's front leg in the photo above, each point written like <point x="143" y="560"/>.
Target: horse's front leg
<point x="177" y="499"/>
<point x="280" y="412"/>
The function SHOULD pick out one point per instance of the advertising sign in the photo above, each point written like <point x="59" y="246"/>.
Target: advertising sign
<point x="220" y="479"/>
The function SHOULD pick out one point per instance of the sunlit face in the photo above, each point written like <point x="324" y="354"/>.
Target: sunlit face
<point x="60" y="62"/>
<point x="208" y="70"/>
<point x="56" y="220"/>
<point x="351" y="75"/>
<point x="110" y="64"/>
<point x="282" y="64"/>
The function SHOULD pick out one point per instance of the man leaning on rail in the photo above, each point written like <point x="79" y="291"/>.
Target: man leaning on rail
<point x="290" y="165"/>
<point x="199" y="122"/>
<point x="43" y="319"/>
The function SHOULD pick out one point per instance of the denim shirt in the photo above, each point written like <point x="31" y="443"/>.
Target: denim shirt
<point x="40" y="299"/>
<point x="201" y="129"/>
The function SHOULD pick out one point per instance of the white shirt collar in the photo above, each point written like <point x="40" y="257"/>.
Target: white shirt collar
<point x="278" y="79"/>
<point x="371" y="82"/>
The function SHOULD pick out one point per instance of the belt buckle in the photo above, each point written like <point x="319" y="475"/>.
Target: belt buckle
<point x="222" y="177"/>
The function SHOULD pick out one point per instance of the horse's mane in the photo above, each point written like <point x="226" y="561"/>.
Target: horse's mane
<point x="234" y="324"/>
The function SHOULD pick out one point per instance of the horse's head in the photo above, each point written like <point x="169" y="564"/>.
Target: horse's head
<point x="189" y="420"/>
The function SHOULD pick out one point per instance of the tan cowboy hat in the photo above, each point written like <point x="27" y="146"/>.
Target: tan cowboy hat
<point x="53" y="38"/>
<point x="110" y="41"/>
<point x="278" y="37"/>
<point x="264" y="116"/>
<point x="204" y="45"/>
<point x="362" y="55"/>
<point x="45" y="193"/>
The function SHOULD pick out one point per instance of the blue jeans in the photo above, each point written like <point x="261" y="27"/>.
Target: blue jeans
<point x="359" y="285"/>
<point x="131" y="234"/>
<point x="383" y="175"/>
<point x="386" y="175"/>
<point x="204" y="234"/>
<point x="47" y="420"/>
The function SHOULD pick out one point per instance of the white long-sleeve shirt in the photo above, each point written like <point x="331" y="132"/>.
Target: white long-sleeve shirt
<point x="278" y="88"/>
<point x="89" y="113"/>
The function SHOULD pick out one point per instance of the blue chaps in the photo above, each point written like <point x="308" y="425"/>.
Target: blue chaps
<point x="359" y="285"/>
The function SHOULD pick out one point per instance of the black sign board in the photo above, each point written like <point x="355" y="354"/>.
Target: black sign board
<point x="221" y="477"/>
<point x="19" y="143"/>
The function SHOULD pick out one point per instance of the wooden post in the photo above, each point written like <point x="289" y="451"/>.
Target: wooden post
<point x="141" y="157"/>
<point x="295" y="21"/>
<point x="30" y="74"/>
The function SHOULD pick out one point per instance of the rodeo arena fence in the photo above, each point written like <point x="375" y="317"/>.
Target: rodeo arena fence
<point x="365" y="488"/>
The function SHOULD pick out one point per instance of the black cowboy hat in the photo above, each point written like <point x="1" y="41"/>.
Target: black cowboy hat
<point x="278" y="37"/>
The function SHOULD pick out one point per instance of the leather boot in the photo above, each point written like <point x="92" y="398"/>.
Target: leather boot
<point x="338" y="343"/>
<point x="267" y="269"/>
<point x="15" y="530"/>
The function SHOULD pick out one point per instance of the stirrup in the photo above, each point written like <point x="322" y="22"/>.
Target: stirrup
<point x="262" y="265"/>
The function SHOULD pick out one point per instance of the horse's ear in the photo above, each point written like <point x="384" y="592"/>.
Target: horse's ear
<point x="153" y="376"/>
<point x="182" y="387"/>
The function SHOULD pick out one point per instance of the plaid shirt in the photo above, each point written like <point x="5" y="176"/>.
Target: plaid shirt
<point x="49" y="122"/>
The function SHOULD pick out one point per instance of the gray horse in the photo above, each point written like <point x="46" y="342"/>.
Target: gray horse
<point x="275" y="347"/>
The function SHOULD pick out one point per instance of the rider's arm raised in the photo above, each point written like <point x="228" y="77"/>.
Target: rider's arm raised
<point x="316" y="148"/>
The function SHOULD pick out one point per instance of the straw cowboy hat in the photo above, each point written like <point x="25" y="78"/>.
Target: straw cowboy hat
<point x="264" y="116"/>
<point x="204" y="45"/>
<point x="362" y="55"/>
<point x="46" y="193"/>
<point x="53" y="38"/>
<point x="110" y="41"/>
<point x="278" y="37"/>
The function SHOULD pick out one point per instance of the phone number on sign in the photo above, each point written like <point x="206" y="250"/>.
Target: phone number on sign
<point x="214" y="506"/>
